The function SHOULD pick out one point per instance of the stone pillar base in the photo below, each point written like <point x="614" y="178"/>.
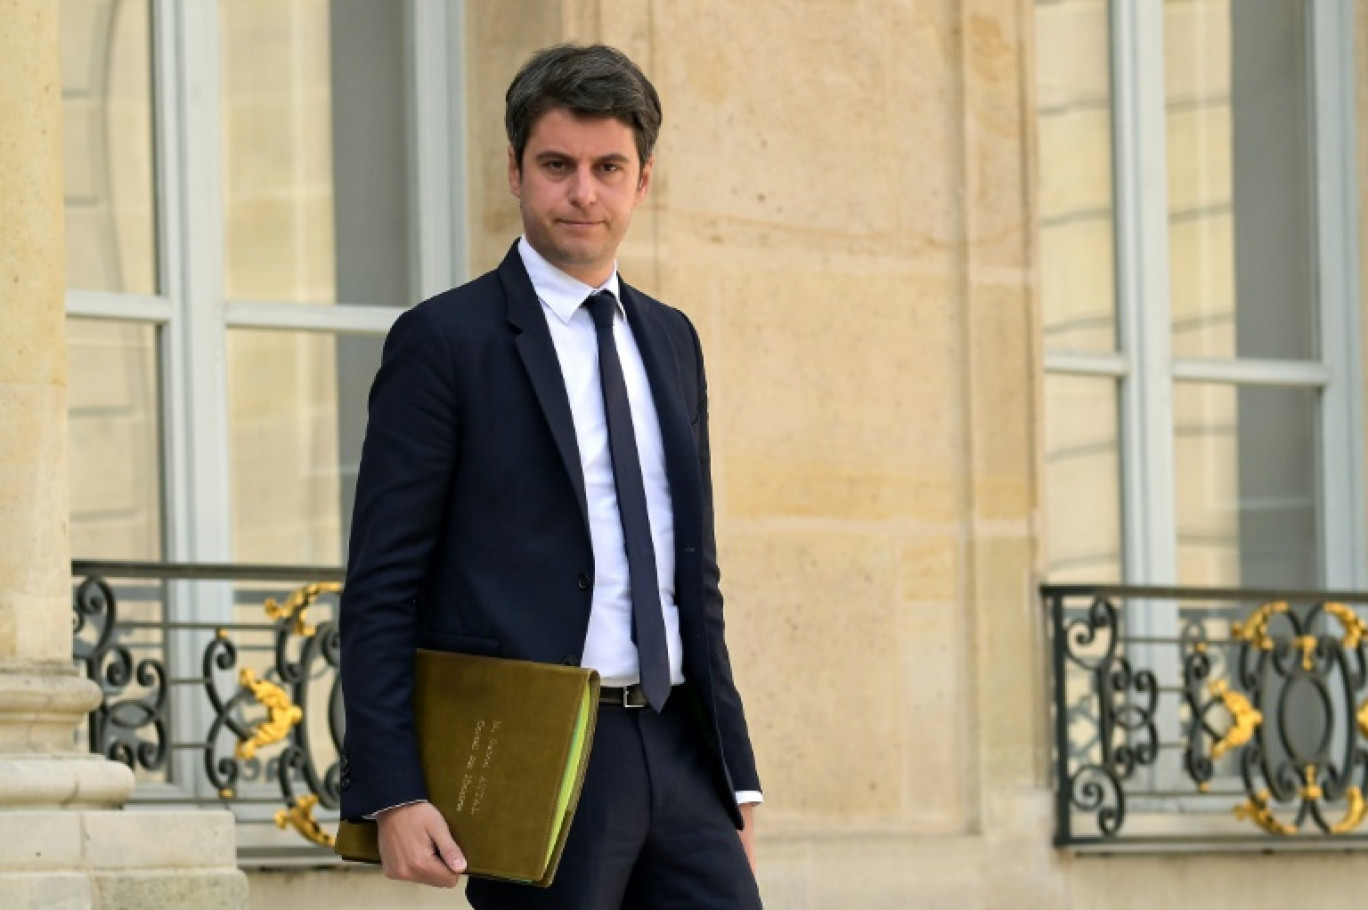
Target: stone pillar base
<point x="119" y="860"/>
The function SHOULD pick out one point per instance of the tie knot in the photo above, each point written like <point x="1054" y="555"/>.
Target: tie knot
<point x="602" y="305"/>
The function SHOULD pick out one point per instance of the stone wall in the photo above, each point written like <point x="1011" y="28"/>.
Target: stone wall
<point x="62" y="841"/>
<point x="841" y="204"/>
<point x="844" y="203"/>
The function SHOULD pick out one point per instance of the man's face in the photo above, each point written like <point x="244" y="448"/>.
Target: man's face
<point x="577" y="187"/>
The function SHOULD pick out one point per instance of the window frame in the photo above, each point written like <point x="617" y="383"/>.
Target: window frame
<point x="192" y="314"/>
<point x="1143" y="365"/>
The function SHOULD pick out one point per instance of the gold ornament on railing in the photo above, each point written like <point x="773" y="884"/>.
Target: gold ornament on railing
<point x="1255" y="627"/>
<point x="1256" y="809"/>
<point x="299" y="815"/>
<point x="1355" y="629"/>
<point x="1254" y="632"/>
<point x="282" y="714"/>
<point x="298" y="603"/>
<point x="1245" y="716"/>
<point x="1354" y="816"/>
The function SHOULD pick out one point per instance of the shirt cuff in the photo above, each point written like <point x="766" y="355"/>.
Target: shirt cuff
<point x="749" y="796"/>
<point x="378" y="812"/>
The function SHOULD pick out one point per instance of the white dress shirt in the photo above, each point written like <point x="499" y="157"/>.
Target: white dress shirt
<point x="608" y="645"/>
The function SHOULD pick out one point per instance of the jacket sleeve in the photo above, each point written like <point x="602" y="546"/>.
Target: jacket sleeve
<point x="731" y="716"/>
<point x="407" y="463"/>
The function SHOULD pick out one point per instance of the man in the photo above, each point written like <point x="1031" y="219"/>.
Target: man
<point x="535" y="485"/>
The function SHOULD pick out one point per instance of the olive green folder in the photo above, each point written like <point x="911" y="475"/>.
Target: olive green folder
<point x="503" y="746"/>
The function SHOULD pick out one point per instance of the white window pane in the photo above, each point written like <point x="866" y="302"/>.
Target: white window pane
<point x="1073" y="96"/>
<point x="108" y="167"/>
<point x="317" y="183"/>
<point x="115" y="450"/>
<point x="1240" y="183"/>
<point x="296" y="420"/>
<point x="1082" y="480"/>
<point x="1246" y="485"/>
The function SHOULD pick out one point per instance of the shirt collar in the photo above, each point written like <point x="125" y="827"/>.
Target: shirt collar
<point x="562" y="293"/>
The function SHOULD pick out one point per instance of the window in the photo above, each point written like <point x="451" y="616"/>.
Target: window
<point x="1199" y="292"/>
<point x="255" y="188"/>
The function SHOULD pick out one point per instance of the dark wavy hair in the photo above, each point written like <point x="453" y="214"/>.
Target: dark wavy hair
<point x="588" y="80"/>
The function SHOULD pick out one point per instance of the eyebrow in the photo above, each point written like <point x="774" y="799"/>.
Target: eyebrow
<point x="614" y="157"/>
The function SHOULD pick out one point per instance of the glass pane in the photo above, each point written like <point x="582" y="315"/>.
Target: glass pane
<point x="1073" y="94"/>
<point x="1246" y="480"/>
<point x="1238" y="121"/>
<point x="108" y="164"/>
<point x="116" y="504"/>
<point x="1082" y="479"/>
<point x="316" y="152"/>
<point x="297" y="415"/>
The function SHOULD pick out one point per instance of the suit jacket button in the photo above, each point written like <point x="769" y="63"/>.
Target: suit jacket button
<point x="584" y="582"/>
<point x="571" y="660"/>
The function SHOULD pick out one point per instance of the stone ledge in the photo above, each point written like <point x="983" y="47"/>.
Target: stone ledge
<point x="40" y="706"/>
<point x="46" y="891"/>
<point x="159" y="839"/>
<point x="77" y="781"/>
<point x="120" y="859"/>
<point x="44" y="840"/>
<point x="177" y="890"/>
<point x="116" y="840"/>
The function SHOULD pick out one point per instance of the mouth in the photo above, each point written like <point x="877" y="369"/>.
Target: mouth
<point x="578" y="225"/>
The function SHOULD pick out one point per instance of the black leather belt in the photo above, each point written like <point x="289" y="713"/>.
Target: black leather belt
<point x="626" y="696"/>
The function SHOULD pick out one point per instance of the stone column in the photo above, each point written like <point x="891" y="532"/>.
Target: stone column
<point x="64" y="845"/>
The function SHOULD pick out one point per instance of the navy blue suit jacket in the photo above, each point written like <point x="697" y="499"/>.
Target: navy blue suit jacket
<point x="470" y="531"/>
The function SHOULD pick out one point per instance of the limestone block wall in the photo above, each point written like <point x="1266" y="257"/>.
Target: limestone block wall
<point x="841" y="205"/>
<point x="844" y="204"/>
<point x="63" y="842"/>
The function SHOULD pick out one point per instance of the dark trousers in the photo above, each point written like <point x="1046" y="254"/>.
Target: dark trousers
<point x="651" y="831"/>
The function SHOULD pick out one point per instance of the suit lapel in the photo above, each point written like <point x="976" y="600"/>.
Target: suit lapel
<point x="543" y="369"/>
<point x="681" y="455"/>
<point x="538" y="355"/>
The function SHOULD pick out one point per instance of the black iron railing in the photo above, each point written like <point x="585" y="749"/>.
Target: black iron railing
<point x="220" y="689"/>
<point x="1192" y="717"/>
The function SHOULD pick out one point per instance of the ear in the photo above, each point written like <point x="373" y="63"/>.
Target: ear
<point x="514" y="174"/>
<point x="644" y="183"/>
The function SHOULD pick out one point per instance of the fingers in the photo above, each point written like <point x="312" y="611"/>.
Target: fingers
<point x="416" y="846"/>
<point x="430" y="871"/>
<point x="446" y="848"/>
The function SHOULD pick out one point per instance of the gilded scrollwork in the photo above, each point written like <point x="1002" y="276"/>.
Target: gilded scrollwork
<point x="299" y="816"/>
<point x="1273" y="708"/>
<point x="1254" y="629"/>
<point x="259" y="733"/>
<point x="282" y="714"/>
<point x="295" y="608"/>
<point x="1255" y="809"/>
<point x="1302" y="756"/>
<point x="1353" y="816"/>
<point x="1245" y="719"/>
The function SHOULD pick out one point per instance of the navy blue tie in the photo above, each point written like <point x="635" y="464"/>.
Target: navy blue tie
<point x="648" y="622"/>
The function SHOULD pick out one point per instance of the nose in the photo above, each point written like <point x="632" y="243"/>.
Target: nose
<point x="582" y="189"/>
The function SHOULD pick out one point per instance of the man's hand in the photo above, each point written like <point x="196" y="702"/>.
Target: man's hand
<point x="416" y="846"/>
<point x="748" y="833"/>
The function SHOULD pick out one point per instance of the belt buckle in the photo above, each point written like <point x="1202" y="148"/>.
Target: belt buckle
<point x="633" y="697"/>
